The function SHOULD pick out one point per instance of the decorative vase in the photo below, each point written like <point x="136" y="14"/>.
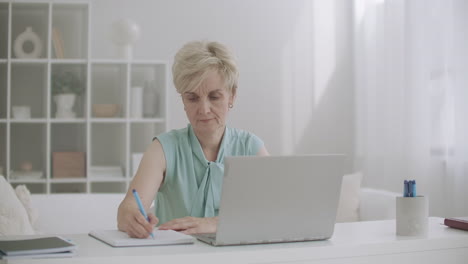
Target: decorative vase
<point x="64" y="105"/>
<point x="28" y="36"/>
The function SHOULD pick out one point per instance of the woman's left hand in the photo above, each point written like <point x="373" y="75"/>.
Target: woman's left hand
<point x="192" y="225"/>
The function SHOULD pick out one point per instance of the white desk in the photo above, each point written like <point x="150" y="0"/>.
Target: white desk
<point x="359" y="242"/>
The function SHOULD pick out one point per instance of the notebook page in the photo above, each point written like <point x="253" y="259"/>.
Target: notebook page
<point x="117" y="238"/>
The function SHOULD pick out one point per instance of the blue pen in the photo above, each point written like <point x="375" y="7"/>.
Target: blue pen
<point x="140" y="206"/>
<point x="405" y="188"/>
<point x="410" y="188"/>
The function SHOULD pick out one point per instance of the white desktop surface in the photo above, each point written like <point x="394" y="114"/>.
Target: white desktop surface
<point x="357" y="242"/>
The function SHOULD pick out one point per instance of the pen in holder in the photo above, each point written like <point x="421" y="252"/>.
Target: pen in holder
<point x="412" y="212"/>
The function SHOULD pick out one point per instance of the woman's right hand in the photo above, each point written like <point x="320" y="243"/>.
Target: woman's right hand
<point x="147" y="180"/>
<point x="131" y="221"/>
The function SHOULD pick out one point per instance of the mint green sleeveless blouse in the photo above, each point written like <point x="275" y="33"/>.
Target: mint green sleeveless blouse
<point x="192" y="185"/>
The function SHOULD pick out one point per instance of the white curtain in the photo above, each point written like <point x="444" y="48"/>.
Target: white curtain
<point x="411" y="68"/>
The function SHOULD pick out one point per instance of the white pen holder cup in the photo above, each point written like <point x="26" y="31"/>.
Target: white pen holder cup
<point x="412" y="216"/>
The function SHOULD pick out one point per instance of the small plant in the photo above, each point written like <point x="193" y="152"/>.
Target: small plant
<point x="66" y="82"/>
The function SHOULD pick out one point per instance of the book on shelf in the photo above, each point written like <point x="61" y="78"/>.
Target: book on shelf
<point x="457" y="222"/>
<point x="106" y="172"/>
<point x="117" y="238"/>
<point x="42" y="247"/>
<point x="26" y="175"/>
<point x="57" y="42"/>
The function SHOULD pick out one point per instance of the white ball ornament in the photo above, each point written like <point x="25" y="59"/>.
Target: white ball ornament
<point x="125" y="33"/>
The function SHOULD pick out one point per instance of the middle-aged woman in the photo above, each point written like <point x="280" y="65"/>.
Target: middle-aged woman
<point x="182" y="170"/>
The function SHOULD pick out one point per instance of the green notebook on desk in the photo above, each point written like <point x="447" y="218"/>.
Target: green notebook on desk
<point x="117" y="238"/>
<point x="44" y="247"/>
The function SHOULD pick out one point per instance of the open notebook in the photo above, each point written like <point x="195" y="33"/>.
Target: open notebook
<point x="117" y="238"/>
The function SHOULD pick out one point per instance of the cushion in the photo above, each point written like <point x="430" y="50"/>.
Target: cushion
<point x="348" y="206"/>
<point x="377" y="204"/>
<point x="24" y="196"/>
<point x="14" y="219"/>
<point x="83" y="212"/>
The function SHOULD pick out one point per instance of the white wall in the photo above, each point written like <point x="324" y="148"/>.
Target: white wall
<point x="295" y="57"/>
<point x="295" y="88"/>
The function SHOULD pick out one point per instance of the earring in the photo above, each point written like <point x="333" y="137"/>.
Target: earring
<point x="231" y="106"/>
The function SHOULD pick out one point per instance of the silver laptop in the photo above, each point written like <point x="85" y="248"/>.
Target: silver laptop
<point x="278" y="199"/>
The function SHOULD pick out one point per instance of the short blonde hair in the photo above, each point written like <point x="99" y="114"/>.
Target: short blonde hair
<point x="197" y="58"/>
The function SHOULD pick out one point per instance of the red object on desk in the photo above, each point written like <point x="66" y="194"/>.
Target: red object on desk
<point x="457" y="222"/>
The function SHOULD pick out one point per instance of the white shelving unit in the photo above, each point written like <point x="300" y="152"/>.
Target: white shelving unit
<point x="109" y="143"/>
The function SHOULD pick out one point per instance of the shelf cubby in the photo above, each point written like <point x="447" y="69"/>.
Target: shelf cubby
<point x="3" y="90"/>
<point x="68" y="187"/>
<point x="4" y="17"/>
<point x="30" y="92"/>
<point x="66" y="137"/>
<point x="34" y="16"/>
<point x="108" y="148"/>
<point x="79" y="71"/>
<point x="3" y="149"/>
<point x="142" y="135"/>
<point x="69" y="23"/>
<point x="109" y="82"/>
<point x="108" y="187"/>
<point x="28" y="151"/>
<point x="33" y="187"/>
<point x="151" y="77"/>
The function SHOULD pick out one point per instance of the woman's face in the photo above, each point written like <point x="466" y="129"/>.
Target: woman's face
<point x="208" y="105"/>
